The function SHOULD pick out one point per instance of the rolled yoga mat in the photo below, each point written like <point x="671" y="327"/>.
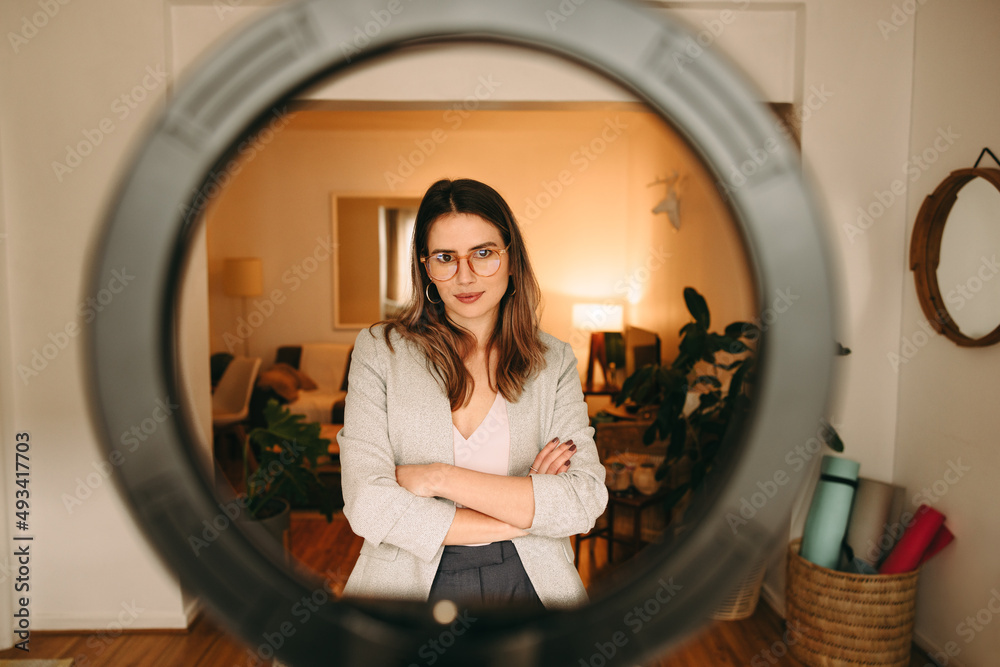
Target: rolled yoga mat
<point x="895" y="530"/>
<point x="924" y="538"/>
<point x="871" y="519"/>
<point x="826" y="524"/>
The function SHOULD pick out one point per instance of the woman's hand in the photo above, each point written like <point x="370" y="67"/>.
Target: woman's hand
<point x="421" y="480"/>
<point x="554" y="457"/>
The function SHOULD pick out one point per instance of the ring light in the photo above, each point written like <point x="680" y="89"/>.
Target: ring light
<point x="132" y="346"/>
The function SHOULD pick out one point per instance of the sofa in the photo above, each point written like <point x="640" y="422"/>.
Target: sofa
<point x="326" y="365"/>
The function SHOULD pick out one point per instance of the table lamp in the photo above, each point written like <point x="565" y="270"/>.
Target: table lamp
<point x="605" y="321"/>
<point x="243" y="277"/>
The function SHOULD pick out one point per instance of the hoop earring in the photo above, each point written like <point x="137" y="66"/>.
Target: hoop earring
<point x="514" y="292"/>
<point x="427" y="293"/>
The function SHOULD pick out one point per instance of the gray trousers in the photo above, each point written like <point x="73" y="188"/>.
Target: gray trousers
<point x="489" y="575"/>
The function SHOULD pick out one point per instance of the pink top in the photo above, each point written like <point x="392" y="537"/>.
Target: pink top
<point x="488" y="448"/>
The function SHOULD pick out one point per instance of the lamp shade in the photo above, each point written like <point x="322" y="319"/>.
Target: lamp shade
<point x="598" y="316"/>
<point x="243" y="276"/>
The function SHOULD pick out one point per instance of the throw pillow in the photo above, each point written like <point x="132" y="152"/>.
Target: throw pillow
<point x="304" y="381"/>
<point x="283" y="383"/>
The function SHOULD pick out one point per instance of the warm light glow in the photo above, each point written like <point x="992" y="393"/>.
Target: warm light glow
<point x="243" y="276"/>
<point x="598" y="316"/>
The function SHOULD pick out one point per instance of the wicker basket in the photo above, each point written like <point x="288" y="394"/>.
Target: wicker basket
<point x="742" y="602"/>
<point x="839" y="619"/>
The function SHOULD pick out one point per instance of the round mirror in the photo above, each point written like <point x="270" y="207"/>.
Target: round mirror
<point x="134" y="351"/>
<point x="953" y="255"/>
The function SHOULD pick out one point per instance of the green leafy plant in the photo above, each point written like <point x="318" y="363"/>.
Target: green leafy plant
<point x="697" y="435"/>
<point x="287" y="449"/>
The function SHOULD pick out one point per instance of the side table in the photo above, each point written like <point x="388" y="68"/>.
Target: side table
<point x="329" y="469"/>
<point x="634" y="501"/>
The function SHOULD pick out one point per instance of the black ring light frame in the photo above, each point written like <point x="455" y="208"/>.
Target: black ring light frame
<point x="132" y="345"/>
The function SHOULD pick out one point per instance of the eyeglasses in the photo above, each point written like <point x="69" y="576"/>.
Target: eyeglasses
<point x="484" y="262"/>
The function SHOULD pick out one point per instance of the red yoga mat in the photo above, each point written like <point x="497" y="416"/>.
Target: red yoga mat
<point x="924" y="538"/>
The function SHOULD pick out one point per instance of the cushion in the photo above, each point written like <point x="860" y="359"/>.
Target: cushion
<point x="305" y="382"/>
<point x="280" y="382"/>
<point x="285" y="381"/>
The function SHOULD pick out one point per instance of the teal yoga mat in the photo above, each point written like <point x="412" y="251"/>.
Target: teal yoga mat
<point x="826" y="524"/>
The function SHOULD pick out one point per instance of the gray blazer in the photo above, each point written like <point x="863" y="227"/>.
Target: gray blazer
<point x="396" y="413"/>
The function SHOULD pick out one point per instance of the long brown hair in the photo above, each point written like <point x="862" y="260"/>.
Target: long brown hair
<point x="520" y="351"/>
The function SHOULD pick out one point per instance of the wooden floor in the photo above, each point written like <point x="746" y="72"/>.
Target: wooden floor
<point x="316" y="545"/>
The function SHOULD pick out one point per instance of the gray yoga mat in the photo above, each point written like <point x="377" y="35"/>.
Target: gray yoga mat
<point x="895" y="529"/>
<point x="869" y="530"/>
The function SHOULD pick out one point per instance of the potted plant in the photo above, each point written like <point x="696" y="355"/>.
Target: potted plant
<point x="286" y="449"/>
<point x="694" y="436"/>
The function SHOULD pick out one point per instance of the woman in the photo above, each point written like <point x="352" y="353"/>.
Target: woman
<point x="467" y="457"/>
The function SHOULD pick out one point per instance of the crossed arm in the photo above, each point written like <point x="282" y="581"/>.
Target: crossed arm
<point x="497" y="507"/>
<point x="394" y="504"/>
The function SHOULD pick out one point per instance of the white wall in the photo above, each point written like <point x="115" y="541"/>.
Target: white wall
<point x="6" y="410"/>
<point x="854" y="142"/>
<point x="60" y="84"/>
<point x="947" y="415"/>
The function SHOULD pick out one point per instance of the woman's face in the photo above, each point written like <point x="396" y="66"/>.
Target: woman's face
<point x="470" y="300"/>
